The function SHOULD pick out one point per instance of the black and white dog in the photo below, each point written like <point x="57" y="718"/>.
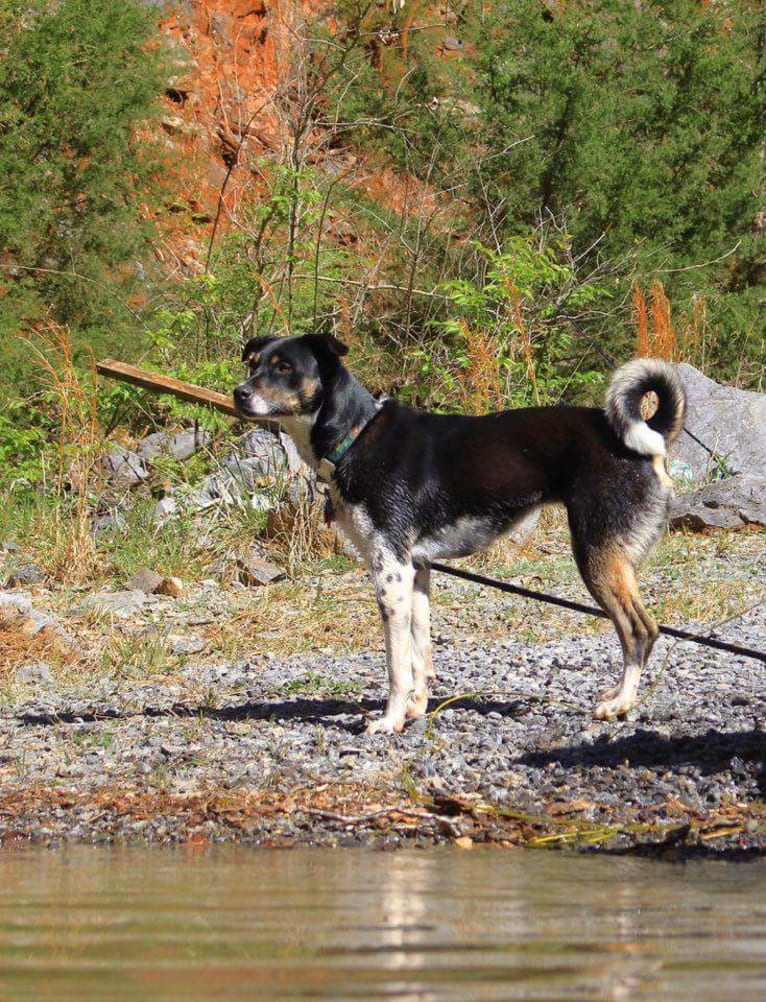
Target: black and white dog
<point x="411" y="487"/>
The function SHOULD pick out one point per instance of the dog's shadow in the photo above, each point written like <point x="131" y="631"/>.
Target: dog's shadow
<point x="709" y="753"/>
<point x="332" y="711"/>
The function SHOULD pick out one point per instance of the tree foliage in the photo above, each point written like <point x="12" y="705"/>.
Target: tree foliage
<point x="77" y="80"/>
<point x="639" y="126"/>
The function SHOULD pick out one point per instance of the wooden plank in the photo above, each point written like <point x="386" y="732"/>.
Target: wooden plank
<point x="158" y="383"/>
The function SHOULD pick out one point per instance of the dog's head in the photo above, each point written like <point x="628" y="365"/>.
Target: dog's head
<point x="287" y="375"/>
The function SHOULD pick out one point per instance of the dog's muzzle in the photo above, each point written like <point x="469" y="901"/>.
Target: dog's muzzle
<point x="249" y="404"/>
<point x="241" y="396"/>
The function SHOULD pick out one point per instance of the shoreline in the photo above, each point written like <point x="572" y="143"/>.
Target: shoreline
<point x="273" y="754"/>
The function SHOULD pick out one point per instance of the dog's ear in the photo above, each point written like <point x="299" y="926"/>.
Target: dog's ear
<point x="254" y="345"/>
<point x="328" y="350"/>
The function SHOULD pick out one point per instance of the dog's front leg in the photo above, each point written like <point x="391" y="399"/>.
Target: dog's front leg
<point x="422" y="662"/>
<point x="393" y="589"/>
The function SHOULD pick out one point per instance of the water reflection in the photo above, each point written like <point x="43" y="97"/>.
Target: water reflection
<point x="432" y="926"/>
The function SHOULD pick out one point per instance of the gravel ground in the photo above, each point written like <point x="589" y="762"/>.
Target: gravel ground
<point x="274" y="752"/>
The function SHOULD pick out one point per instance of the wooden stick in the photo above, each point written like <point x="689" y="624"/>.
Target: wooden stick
<point x="158" y="383"/>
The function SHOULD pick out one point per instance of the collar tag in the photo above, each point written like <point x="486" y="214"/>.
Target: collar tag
<point x="325" y="470"/>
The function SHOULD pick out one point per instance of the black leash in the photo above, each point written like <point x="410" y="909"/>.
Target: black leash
<point x="591" y="610"/>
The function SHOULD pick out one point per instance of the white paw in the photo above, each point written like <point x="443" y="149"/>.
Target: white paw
<point x="417" y="706"/>
<point x="616" y="707"/>
<point x="386" y="725"/>
<point x="608" y="694"/>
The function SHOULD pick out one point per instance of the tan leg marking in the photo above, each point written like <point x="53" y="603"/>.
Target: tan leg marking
<point x="611" y="580"/>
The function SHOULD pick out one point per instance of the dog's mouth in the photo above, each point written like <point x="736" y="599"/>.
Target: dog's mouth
<point x="255" y="406"/>
<point x="250" y="405"/>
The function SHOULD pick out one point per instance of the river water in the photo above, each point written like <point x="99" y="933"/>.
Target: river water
<point x="415" y="926"/>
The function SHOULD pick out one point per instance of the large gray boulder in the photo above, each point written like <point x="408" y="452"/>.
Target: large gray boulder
<point x="729" y="421"/>
<point x="260" y="465"/>
<point x="260" y="461"/>
<point x="262" y="453"/>
<point x="726" y="504"/>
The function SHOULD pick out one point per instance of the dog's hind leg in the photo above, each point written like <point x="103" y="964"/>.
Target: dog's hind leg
<point x="422" y="661"/>
<point x="609" y="575"/>
<point x="394" y="590"/>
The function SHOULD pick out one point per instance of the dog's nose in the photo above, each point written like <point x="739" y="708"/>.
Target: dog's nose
<point x="241" y="393"/>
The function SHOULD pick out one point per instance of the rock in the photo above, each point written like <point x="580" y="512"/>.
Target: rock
<point x="145" y="580"/>
<point x="105" y="523"/>
<point x="123" y="467"/>
<point x="725" y="504"/>
<point x="34" y="673"/>
<point x="263" y="449"/>
<point x="165" y="509"/>
<point x="728" y="420"/>
<point x="185" y="645"/>
<point x="294" y="462"/>
<point x="223" y="487"/>
<point x="244" y="472"/>
<point x="118" y="603"/>
<point x="254" y="570"/>
<point x="17" y="611"/>
<point x="301" y="491"/>
<point x="248" y="475"/>
<point x="28" y="574"/>
<point x="181" y="445"/>
<point x="172" y="586"/>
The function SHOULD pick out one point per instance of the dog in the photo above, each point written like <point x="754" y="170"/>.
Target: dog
<point x="410" y="487"/>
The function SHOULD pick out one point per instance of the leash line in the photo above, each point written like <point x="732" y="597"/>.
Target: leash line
<point x="591" y="610"/>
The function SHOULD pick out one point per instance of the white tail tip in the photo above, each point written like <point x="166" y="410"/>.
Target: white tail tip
<point x="643" y="439"/>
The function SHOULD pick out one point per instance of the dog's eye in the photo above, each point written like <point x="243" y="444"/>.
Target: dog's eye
<point x="283" y="368"/>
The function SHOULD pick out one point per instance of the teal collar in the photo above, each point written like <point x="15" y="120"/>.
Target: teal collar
<point x="326" y="467"/>
<point x="333" y="455"/>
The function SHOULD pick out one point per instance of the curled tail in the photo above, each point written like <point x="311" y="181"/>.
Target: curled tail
<point x="627" y="387"/>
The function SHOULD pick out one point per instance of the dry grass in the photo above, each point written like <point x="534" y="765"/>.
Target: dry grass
<point x="481" y="386"/>
<point x="655" y="334"/>
<point x="332" y="612"/>
<point x="689" y="338"/>
<point x="298" y="533"/>
<point x="75" y="473"/>
<point x="18" y="648"/>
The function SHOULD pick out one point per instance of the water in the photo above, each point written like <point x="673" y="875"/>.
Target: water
<point x="352" y="924"/>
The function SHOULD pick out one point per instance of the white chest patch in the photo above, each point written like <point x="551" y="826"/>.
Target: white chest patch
<point x="299" y="430"/>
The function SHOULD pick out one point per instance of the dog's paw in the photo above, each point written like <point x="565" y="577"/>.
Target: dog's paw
<point x="609" y="694"/>
<point x="618" y="706"/>
<point x="417" y="706"/>
<point x="386" y="725"/>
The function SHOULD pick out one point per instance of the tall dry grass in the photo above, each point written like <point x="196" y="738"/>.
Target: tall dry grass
<point x="480" y="382"/>
<point x="74" y="473"/>
<point x="689" y="338"/>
